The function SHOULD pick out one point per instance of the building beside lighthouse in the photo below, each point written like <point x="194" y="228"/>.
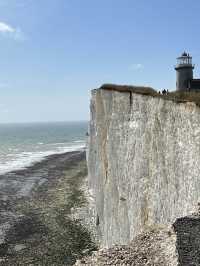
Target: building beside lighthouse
<point x="184" y="74"/>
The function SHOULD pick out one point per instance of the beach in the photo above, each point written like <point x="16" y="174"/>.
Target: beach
<point x="37" y="207"/>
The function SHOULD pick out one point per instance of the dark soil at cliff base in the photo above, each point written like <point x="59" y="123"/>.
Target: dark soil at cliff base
<point x="36" y="204"/>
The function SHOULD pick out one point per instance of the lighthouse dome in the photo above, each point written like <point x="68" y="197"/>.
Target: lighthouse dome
<point x="184" y="54"/>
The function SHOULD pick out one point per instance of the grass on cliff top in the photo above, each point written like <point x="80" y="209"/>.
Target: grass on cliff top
<point x="176" y="96"/>
<point x="127" y="88"/>
<point x="184" y="96"/>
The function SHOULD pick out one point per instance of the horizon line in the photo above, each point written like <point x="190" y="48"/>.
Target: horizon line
<point x="45" y="122"/>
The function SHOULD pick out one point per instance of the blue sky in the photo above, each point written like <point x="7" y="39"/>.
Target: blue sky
<point x="53" y="52"/>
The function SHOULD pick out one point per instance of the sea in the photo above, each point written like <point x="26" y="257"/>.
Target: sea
<point x="21" y="145"/>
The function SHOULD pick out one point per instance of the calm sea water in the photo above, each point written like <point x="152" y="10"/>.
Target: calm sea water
<point x="23" y="144"/>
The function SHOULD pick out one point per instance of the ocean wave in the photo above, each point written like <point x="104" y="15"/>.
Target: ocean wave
<point x="28" y="158"/>
<point x="68" y="143"/>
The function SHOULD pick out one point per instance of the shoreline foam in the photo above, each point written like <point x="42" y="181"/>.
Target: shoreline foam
<point x="26" y="159"/>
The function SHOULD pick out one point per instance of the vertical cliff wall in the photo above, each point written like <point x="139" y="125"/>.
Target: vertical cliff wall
<point x="143" y="162"/>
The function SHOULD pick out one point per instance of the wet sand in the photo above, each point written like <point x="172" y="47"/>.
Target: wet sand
<point x="36" y="205"/>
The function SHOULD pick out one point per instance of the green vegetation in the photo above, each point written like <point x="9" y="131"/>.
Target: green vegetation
<point x="176" y="96"/>
<point x="184" y="96"/>
<point x="125" y="88"/>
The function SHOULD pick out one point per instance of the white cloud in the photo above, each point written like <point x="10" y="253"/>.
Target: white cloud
<point x="9" y="31"/>
<point x="136" y="66"/>
<point x="6" y="28"/>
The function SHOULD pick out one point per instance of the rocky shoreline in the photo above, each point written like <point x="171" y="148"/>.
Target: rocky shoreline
<point x="154" y="247"/>
<point x="40" y="218"/>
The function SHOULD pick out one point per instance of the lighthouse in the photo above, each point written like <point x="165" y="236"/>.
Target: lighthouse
<point x="184" y="72"/>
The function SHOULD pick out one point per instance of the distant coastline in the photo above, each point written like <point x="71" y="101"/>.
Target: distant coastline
<point x="22" y="145"/>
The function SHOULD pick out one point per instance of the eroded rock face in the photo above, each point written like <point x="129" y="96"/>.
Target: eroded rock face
<point x="143" y="161"/>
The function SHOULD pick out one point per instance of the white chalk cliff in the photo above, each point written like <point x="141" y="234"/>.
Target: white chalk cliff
<point x="143" y="161"/>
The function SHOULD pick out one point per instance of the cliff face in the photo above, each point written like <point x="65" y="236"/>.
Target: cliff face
<point x="143" y="162"/>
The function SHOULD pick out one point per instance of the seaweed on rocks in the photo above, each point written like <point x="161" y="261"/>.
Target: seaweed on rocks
<point x="42" y="229"/>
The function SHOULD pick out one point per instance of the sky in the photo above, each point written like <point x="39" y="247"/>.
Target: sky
<point x="53" y="52"/>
